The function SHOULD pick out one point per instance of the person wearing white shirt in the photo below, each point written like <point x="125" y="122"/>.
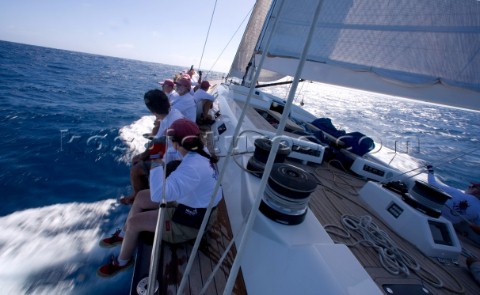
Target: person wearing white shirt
<point x="157" y="102"/>
<point x="188" y="191"/>
<point x="184" y="101"/>
<point x="168" y="87"/>
<point x="194" y="77"/>
<point x="204" y="102"/>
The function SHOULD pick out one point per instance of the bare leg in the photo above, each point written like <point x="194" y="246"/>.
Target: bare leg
<point x="136" y="223"/>
<point x="139" y="181"/>
<point x="138" y="220"/>
<point x="143" y="202"/>
<point x="138" y="177"/>
<point x="207" y="105"/>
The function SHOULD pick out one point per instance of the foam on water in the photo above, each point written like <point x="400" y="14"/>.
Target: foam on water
<point x="132" y="135"/>
<point x="54" y="249"/>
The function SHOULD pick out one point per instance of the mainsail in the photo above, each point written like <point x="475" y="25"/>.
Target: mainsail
<point x="427" y="50"/>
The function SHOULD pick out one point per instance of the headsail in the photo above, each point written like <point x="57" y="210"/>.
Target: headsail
<point x="247" y="44"/>
<point x="427" y="50"/>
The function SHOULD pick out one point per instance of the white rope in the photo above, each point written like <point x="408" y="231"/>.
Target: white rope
<point x="409" y="261"/>
<point x="394" y="259"/>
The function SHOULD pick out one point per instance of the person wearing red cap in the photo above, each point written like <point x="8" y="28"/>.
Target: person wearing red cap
<point x="168" y="87"/>
<point x="463" y="209"/>
<point x="184" y="101"/>
<point x="204" y="102"/>
<point x="187" y="190"/>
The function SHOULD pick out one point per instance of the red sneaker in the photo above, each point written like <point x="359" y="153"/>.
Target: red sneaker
<point x="127" y="200"/>
<point x="114" y="240"/>
<point x="112" y="268"/>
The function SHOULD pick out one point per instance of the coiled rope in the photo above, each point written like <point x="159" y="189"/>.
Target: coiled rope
<point x="394" y="259"/>
<point x="362" y="225"/>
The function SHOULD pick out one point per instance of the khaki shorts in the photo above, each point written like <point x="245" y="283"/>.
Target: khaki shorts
<point x="175" y="233"/>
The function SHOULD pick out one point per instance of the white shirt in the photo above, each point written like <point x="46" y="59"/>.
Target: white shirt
<point x="165" y="123"/>
<point x="202" y="94"/>
<point x="171" y="153"/>
<point x="191" y="184"/>
<point x="194" y="79"/>
<point x="463" y="204"/>
<point x="171" y="96"/>
<point x="186" y="105"/>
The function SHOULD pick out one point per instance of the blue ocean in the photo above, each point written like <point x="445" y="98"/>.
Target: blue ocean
<point x="70" y="122"/>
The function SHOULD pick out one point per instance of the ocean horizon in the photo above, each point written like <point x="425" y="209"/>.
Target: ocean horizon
<point x="70" y="122"/>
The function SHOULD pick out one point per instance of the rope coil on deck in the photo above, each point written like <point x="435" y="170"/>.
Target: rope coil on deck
<point x="409" y="261"/>
<point x="392" y="258"/>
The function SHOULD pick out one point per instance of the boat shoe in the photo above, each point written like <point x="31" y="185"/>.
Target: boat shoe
<point x="127" y="200"/>
<point x="114" y="240"/>
<point x="112" y="268"/>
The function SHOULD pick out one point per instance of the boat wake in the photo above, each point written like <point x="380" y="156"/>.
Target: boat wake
<point x="132" y="136"/>
<point x="54" y="249"/>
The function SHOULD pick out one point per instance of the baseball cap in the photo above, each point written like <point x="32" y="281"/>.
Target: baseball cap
<point x="167" y="82"/>
<point x="185" y="132"/>
<point x="205" y="85"/>
<point x="184" y="81"/>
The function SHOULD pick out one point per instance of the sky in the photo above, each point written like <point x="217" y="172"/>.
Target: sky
<point x="168" y="32"/>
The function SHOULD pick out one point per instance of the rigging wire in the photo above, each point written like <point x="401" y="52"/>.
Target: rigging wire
<point x="457" y="157"/>
<point x="437" y="165"/>
<point x="208" y="33"/>
<point x="228" y="43"/>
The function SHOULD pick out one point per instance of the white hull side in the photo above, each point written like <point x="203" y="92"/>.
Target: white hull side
<point x="282" y="259"/>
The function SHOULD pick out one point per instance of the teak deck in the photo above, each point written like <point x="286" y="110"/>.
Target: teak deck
<point x="174" y="258"/>
<point x="336" y="195"/>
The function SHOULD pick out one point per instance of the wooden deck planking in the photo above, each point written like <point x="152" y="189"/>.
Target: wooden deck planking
<point x="338" y="195"/>
<point x="211" y="249"/>
<point x="328" y="204"/>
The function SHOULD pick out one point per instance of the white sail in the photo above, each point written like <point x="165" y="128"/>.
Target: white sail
<point x="247" y="44"/>
<point x="427" y="50"/>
